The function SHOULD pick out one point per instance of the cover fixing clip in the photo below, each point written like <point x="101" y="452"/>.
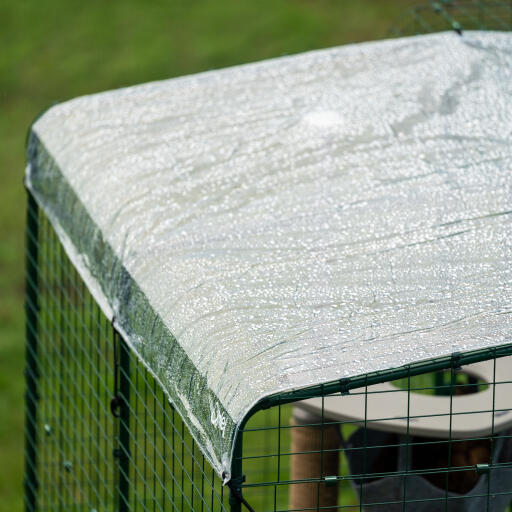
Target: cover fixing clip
<point x="456" y="358"/>
<point x="344" y="386"/>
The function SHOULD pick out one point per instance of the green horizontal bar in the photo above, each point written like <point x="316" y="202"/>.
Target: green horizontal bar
<point x="378" y="377"/>
<point x="371" y="476"/>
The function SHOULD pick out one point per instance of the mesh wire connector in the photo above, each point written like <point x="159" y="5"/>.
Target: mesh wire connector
<point x="482" y="469"/>
<point x="331" y="481"/>
<point x="344" y="386"/>
<point x="456" y="361"/>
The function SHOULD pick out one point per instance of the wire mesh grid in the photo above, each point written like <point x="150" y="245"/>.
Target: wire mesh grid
<point x="458" y="15"/>
<point x="299" y="457"/>
<point x="100" y="433"/>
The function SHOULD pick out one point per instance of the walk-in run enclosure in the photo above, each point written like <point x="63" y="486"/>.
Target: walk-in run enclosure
<point x="284" y="286"/>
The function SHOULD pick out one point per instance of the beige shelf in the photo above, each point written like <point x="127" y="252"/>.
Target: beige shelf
<point x="391" y="409"/>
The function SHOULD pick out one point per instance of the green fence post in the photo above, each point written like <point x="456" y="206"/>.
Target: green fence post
<point x="124" y="425"/>
<point x="31" y="370"/>
<point x="235" y="488"/>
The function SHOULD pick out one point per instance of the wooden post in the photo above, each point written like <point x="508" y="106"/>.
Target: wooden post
<point x="315" y="450"/>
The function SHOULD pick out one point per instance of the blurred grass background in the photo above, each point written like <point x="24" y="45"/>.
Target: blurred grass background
<point x="55" y="50"/>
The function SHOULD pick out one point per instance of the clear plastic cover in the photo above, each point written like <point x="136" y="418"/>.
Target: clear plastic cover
<point x="287" y="223"/>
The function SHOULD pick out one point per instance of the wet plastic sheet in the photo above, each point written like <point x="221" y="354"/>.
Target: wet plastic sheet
<point x="287" y="223"/>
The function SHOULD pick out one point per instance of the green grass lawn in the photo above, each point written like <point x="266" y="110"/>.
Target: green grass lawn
<point x="55" y="50"/>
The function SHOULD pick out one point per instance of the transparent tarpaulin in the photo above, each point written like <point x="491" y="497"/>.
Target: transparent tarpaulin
<point x="273" y="226"/>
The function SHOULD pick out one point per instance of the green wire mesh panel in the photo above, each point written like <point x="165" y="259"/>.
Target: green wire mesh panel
<point x="308" y="458"/>
<point x="164" y="468"/>
<point x="70" y="382"/>
<point x="458" y="15"/>
<point x="86" y="449"/>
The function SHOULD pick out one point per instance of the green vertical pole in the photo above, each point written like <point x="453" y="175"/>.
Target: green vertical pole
<point x="439" y="383"/>
<point x="124" y="425"/>
<point x="31" y="370"/>
<point x="235" y="487"/>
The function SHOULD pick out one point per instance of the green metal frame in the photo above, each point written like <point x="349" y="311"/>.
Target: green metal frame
<point x="343" y="386"/>
<point x="31" y="371"/>
<point x="359" y="385"/>
<point x="101" y="435"/>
